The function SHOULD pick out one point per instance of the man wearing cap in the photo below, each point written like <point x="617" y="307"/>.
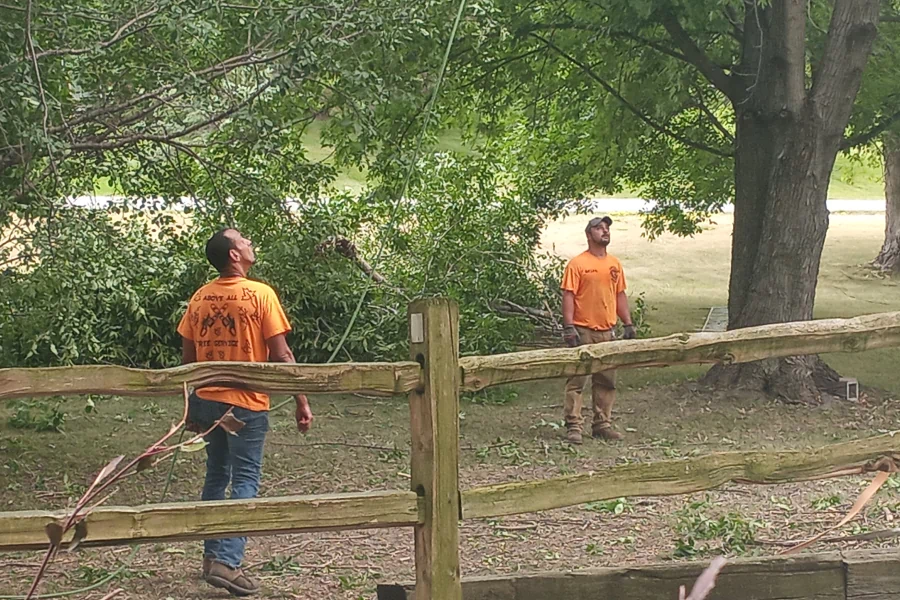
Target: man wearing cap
<point x="593" y="290"/>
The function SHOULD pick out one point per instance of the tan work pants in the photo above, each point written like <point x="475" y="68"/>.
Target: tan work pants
<point x="603" y="387"/>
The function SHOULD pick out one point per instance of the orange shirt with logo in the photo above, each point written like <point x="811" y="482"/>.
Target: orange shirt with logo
<point x="230" y="319"/>
<point x="595" y="282"/>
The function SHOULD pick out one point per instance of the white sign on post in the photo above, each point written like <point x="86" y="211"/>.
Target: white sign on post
<point x="416" y="328"/>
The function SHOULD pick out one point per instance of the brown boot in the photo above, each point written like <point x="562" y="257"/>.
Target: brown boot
<point x="233" y="580"/>
<point x="606" y="433"/>
<point x="573" y="435"/>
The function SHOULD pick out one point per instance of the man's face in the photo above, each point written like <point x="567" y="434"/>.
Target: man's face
<point x="242" y="247"/>
<point x="599" y="234"/>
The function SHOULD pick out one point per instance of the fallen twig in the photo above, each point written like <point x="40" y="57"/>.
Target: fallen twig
<point x="706" y="582"/>
<point x="111" y="474"/>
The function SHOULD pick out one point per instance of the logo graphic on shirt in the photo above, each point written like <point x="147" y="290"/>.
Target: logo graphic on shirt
<point x="219" y="315"/>
<point x="207" y="322"/>
<point x="246" y="317"/>
<point x="614" y="274"/>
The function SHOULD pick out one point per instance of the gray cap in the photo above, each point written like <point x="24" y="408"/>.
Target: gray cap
<point x="596" y="222"/>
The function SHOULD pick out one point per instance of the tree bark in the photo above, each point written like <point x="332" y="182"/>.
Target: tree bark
<point x="786" y="145"/>
<point x="889" y="257"/>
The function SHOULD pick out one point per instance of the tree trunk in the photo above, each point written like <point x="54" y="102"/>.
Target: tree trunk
<point x="889" y="257"/>
<point x="779" y="234"/>
<point x="785" y="146"/>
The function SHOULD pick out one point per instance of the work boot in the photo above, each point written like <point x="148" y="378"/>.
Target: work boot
<point x="606" y="432"/>
<point x="573" y="434"/>
<point x="233" y="580"/>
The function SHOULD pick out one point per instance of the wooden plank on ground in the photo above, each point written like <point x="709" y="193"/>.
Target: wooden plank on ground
<point x="671" y="477"/>
<point x="274" y="378"/>
<point x="873" y="575"/>
<point x="807" y="577"/>
<point x="112" y="525"/>
<point x="738" y="346"/>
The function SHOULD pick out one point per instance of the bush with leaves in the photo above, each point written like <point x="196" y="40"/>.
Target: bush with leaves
<point x="109" y="286"/>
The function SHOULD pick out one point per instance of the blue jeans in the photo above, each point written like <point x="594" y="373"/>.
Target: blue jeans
<point x="235" y="459"/>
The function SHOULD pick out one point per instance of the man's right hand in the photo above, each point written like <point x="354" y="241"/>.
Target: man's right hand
<point x="303" y="414"/>
<point x="570" y="336"/>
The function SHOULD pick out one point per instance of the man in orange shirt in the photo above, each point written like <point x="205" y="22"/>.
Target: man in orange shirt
<point x="234" y="319"/>
<point x="593" y="289"/>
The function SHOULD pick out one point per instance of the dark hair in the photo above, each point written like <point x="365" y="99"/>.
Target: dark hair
<point x="217" y="249"/>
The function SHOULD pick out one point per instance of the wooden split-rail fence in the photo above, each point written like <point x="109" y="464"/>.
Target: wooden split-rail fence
<point x="433" y="379"/>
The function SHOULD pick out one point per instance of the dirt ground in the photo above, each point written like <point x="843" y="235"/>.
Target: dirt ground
<point x="361" y="443"/>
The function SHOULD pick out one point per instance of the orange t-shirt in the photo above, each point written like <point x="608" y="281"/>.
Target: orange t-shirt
<point x="231" y="319"/>
<point x="595" y="282"/>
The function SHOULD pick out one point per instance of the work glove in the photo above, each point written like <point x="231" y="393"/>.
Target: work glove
<point x="629" y="333"/>
<point x="571" y="337"/>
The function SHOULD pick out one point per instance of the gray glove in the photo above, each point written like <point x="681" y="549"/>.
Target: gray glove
<point x="570" y="336"/>
<point x="629" y="333"/>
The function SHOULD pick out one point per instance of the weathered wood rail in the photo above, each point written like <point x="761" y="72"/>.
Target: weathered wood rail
<point x="274" y="378"/>
<point x="433" y="380"/>
<point x="855" y="575"/>
<point x="743" y="345"/>
<point x="182" y="521"/>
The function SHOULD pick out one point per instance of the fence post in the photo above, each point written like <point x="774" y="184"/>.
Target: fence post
<point x="434" y="419"/>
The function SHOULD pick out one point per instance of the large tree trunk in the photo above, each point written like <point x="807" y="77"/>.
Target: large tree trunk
<point x="780" y="224"/>
<point x="786" y="145"/>
<point x="889" y="257"/>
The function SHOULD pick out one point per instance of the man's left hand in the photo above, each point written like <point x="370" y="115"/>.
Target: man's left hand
<point x="629" y="333"/>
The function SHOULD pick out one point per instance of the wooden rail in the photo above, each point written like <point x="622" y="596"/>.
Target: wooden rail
<point x="180" y="521"/>
<point x="672" y="477"/>
<point x="276" y="378"/>
<point x="433" y="380"/>
<point x="25" y="530"/>
<point x="739" y="346"/>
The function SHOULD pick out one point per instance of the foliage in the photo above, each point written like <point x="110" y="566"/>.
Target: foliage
<point x="98" y="290"/>
<point x="109" y="286"/>
<point x="494" y="396"/>
<point x="616" y="506"/>
<point x="731" y="533"/>
<point x="826" y="502"/>
<point x="37" y="415"/>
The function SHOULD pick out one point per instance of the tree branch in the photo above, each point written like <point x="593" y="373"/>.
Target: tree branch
<point x="695" y="55"/>
<point x="95" y="145"/>
<point x="713" y="118"/>
<point x="118" y="36"/>
<point x="865" y="137"/>
<point x="632" y="108"/>
<point x="793" y="42"/>
<point x="851" y="33"/>
<point x="29" y="49"/>
<point x="217" y="70"/>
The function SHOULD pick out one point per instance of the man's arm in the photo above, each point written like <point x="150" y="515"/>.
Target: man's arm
<point x="279" y="351"/>
<point x="570" y="334"/>
<point x="188" y="351"/>
<point x="624" y="313"/>
<point x="622" y="309"/>
<point x="568" y="307"/>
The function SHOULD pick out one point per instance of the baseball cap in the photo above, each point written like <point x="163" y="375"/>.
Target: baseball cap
<point x="596" y="221"/>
